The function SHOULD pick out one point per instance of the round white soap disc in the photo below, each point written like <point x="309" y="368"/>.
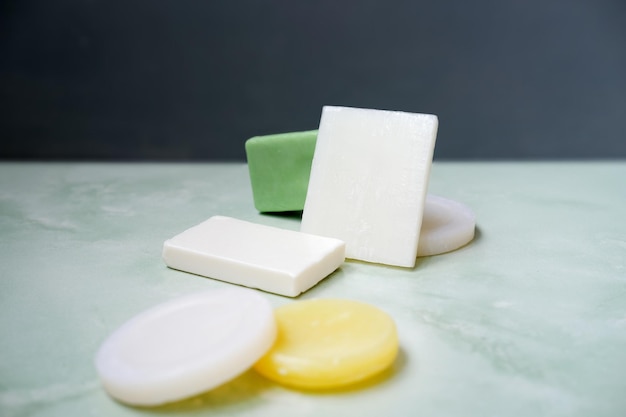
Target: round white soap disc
<point x="446" y="225"/>
<point x="186" y="346"/>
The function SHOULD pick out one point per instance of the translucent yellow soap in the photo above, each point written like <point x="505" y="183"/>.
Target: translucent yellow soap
<point x="329" y="343"/>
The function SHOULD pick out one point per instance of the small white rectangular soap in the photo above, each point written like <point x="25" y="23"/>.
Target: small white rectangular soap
<point x="275" y="260"/>
<point x="369" y="180"/>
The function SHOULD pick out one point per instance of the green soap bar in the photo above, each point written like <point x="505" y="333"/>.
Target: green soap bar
<point x="279" y="168"/>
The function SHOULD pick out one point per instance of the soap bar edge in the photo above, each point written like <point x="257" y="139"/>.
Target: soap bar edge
<point x="287" y="282"/>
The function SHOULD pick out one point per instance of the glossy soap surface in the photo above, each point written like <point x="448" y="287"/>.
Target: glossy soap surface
<point x="528" y="319"/>
<point x="329" y="343"/>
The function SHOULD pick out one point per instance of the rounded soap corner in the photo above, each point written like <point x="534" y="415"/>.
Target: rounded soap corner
<point x="250" y="141"/>
<point x="293" y="294"/>
<point x="218" y="218"/>
<point x="261" y="209"/>
<point x="332" y="108"/>
<point x="165" y="250"/>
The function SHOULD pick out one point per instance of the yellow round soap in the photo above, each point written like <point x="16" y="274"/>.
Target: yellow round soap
<point x="328" y="343"/>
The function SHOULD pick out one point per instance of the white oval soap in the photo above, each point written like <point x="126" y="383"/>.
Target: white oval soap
<point x="186" y="346"/>
<point x="446" y="225"/>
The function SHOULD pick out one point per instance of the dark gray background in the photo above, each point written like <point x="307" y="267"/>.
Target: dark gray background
<point x="192" y="80"/>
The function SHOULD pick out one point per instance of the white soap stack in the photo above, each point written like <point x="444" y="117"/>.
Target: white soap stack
<point x="366" y="200"/>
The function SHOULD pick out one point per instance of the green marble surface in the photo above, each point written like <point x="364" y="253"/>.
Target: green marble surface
<point x="529" y="319"/>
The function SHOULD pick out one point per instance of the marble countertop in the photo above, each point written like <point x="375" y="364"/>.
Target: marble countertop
<point x="529" y="319"/>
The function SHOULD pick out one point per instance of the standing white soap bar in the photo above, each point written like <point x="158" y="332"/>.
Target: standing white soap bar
<point x="368" y="182"/>
<point x="280" y="261"/>
<point x="186" y="346"/>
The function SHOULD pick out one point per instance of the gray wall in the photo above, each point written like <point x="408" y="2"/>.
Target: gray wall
<point x="192" y="80"/>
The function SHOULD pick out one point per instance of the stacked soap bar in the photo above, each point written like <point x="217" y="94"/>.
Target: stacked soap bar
<point x="368" y="182"/>
<point x="446" y="224"/>
<point x="279" y="168"/>
<point x="362" y="180"/>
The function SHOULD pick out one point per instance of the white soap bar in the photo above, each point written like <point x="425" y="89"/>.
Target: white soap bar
<point x="186" y="346"/>
<point x="280" y="261"/>
<point x="447" y="225"/>
<point x="368" y="182"/>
